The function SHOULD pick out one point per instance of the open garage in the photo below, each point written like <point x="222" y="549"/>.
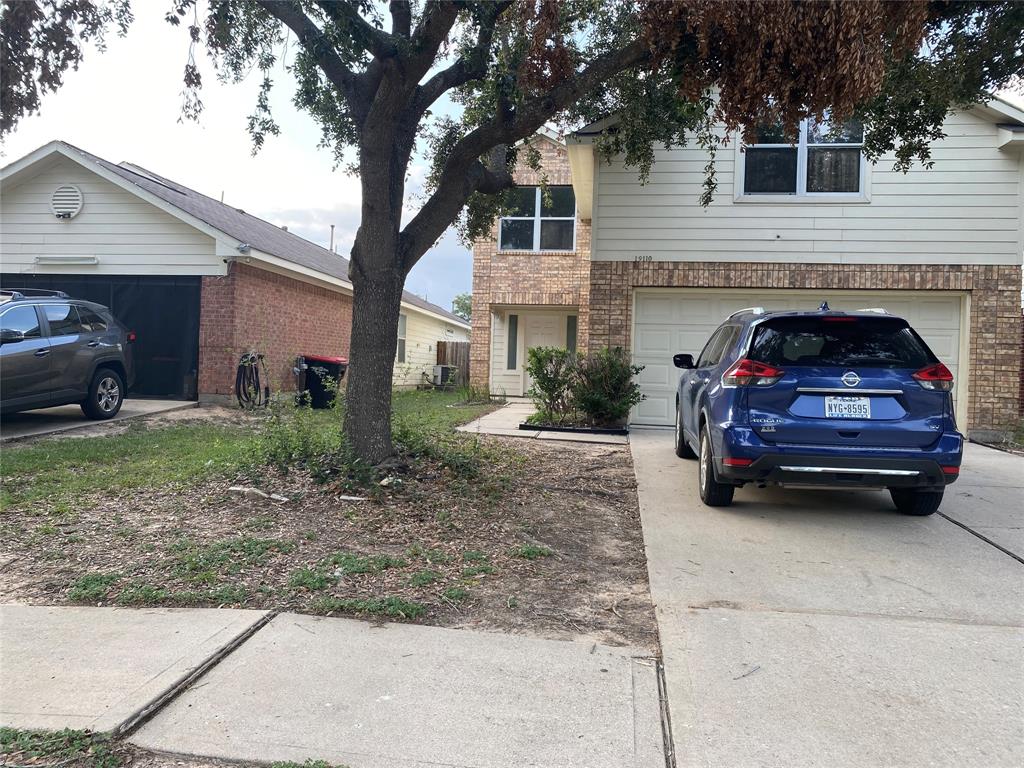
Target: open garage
<point x="671" y="320"/>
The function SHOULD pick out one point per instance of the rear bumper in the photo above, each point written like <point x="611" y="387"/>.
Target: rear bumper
<point x="839" y="466"/>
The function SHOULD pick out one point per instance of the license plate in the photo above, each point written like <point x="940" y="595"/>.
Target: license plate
<point x="847" y="408"/>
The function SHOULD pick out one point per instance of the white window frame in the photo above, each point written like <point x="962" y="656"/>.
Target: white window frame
<point x="537" y="218"/>
<point x="863" y="195"/>
<point x="402" y="350"/>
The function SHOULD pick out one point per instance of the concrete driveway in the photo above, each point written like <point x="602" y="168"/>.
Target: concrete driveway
<point x="820" y="628"/>
<point x="64" y="418"/>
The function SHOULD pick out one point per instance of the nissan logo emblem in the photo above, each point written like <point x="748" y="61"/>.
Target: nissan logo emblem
<point x="850" y="379"/>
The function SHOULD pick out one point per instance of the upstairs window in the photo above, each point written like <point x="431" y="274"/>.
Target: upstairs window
<point x="539" y="222"/>
<point x="828" y="159"/>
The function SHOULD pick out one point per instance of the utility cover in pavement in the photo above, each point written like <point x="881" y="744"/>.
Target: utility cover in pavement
<point x="374" y="696"/>
<point x="75" y="667"/>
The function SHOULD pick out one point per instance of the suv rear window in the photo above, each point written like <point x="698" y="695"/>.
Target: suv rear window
<point x="863" y="342"/>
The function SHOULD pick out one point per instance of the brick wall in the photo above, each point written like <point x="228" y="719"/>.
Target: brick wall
<point x="528" y="278"/>
<point x="252" y="309"/>
<point x="995" y="323"/>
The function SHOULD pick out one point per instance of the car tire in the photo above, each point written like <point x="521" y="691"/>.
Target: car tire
<point x="106" y="395"/>
<point x="912" y="501"/>
<point x="683" y="449"/>
<point x="712" y="492"/>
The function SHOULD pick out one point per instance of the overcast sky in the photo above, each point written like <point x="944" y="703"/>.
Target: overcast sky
<point x="124" y="104"/>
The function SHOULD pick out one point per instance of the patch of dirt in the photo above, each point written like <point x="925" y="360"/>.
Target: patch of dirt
<point x="204" y="413"/>
<point x="547" y="543"/>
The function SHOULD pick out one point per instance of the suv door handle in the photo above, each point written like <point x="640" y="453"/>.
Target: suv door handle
<point x="42" y="352"/>
<point x="93" y="343"/>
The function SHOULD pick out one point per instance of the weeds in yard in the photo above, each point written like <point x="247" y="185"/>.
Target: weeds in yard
<point x="388" y="606"/>
<point x="432" y="556"/>
<point x="478" y="570"/>
<point x="424" y="578"/>
<point x="91" y="587"/>
<point x="141" y="594"/>
<point x="473" y="556"/>
<point x="456" y="594"/>
<point x="349" y="563"/>
<point x="203" y="562"/>
<point x="530" y="552"/>
<point x="51" y="748"/>
<point x="309" y="578"/>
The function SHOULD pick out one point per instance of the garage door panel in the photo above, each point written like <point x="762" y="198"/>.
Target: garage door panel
<point x="687" y="318"/>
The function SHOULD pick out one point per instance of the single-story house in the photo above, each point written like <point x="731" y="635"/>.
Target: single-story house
<point x="607" y="261"/>
<point x="199" y="281"/>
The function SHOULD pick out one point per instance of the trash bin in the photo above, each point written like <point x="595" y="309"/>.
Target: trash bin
<point x="319" y="376"/>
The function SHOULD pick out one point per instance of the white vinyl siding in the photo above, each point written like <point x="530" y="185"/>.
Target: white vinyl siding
<point x="966" y="209"/>
<point x="125" y="234"/>
<point x="422" y="332"/>
<point x="668" y="321"/>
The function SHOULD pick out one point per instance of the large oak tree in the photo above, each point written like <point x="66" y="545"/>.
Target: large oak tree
<point x="373" y="77"/>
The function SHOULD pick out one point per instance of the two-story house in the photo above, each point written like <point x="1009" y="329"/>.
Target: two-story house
<point x="604" y="260"/>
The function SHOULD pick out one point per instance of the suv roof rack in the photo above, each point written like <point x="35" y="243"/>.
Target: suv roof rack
<point x="752" y="310"/>
<point x="24" y="293"/>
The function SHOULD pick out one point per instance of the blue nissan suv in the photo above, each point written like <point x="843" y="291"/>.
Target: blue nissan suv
<point x="822" y="398"/>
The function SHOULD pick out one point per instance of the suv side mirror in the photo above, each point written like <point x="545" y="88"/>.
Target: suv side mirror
<point x="682" y="361"/>
<point x="10" y="335"/>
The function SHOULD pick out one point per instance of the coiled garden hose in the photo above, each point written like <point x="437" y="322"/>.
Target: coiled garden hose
<point x="252" y="370"/>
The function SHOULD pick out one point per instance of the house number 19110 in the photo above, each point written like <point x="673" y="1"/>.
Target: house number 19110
<point x="643" y="258"/>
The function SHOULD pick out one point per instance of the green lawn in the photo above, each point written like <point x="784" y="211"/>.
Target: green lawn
<point x="63" y="469"/>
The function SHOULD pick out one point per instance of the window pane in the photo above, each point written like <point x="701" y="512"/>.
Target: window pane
<point x="770" y="171"/>
<point x="401" y="351"/>
<point x="833" y="170"/>
<point x="571" y="325"/>
<point x="513" y="342"/>
<point x="773" y="134"/>
<point x="403" y="323"/>
<point x="63" y="319"/>
<point x="516" y="235"/>
<point x="560" y="201"/>
<point x="521" y="201"/>
<point x="91" y="321"/>
<point x="22" y="319"/>
<point x="850" y="132"/>
<point x="556" y="235"/>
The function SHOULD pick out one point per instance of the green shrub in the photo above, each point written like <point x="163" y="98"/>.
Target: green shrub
<point x="603" y="388"/>
<point x="552" y="371"/>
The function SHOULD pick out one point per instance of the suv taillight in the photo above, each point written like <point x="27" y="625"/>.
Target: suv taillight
<point x="131" y="337"/>
<point x="935" y="377"/>
<point x="750" y="373"/>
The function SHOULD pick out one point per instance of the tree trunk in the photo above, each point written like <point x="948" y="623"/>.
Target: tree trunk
<point x="376" y="304"/>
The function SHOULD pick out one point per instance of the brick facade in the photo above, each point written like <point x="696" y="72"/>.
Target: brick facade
<point x="995" y="322"/>
<point x="252" y="309"/>
<point x="528" y="278"/>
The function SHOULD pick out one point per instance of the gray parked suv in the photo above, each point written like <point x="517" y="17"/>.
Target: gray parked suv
<point x="56" y="350"/>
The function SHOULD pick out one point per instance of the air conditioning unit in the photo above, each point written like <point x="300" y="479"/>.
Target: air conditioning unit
<point x="444" y="375"/>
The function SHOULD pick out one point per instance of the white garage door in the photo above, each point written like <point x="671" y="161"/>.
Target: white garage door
<point x="682" y="320"/>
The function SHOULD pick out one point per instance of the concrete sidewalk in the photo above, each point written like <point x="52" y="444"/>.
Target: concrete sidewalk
<point x="345" y="691"/>
<point x="506" y="420"/>
<point x="64" y="418"/>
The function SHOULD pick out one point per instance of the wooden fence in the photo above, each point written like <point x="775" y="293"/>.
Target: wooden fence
<point x="455" y="353"/>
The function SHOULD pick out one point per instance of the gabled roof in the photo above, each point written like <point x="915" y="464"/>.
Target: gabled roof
<point x="216" y="218"/>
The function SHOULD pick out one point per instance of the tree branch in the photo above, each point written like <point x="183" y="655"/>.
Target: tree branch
<point x="470" y="66"/>
<point x="464" y="173"/>
<point x="401" y="17"/>
<point x="375" y="41"/>
<point x="311" y="37"/>
<point x="435" y="23"/>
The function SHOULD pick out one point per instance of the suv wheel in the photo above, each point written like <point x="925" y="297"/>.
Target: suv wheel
<point x="911" y="501"/>
<point x="683" y="450"/>
<point x="106" y="394"/>
<point x="712" y="492"/>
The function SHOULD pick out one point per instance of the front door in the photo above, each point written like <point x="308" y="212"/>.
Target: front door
<point x="547" y="330"/>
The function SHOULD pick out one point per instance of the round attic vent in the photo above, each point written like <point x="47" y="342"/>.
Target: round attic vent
<point x="66" y="201"/>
